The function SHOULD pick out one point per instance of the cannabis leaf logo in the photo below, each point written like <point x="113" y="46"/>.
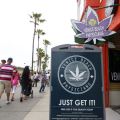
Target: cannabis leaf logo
<point x="92" y="29"/>
<point x="77" y="75"/>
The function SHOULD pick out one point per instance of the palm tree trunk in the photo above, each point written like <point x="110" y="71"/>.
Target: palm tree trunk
<point x="33" y="45"/>
<point x="40" y="64"/>
<point x="38" y="61"/>
<point x="45" y="55"/>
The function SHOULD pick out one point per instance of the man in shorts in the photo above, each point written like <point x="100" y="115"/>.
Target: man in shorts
<point x="6" y="73"/>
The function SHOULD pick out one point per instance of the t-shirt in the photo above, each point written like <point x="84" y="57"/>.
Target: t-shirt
<point x="6" y="72"/>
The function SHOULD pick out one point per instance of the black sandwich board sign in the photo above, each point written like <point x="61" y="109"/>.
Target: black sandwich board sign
<point x="76" y="83"/>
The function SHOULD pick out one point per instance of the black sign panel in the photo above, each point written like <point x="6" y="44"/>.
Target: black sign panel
<point x="76" y="84"/>
<point x="114" y="65"/>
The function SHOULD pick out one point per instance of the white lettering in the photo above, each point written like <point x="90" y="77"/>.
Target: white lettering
<point x="81" y="102"/>
<point x="65" y="102"/>
<point x="115" y="76"/>
<point x="94" y="29"/>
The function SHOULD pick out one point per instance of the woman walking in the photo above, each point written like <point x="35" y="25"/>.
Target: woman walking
<point x="15" y="81"/>
<point x="25" y="81"/>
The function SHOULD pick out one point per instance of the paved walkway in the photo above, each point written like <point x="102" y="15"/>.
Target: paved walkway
<point x="36" y="108"/>
<point x="41" y="110"/>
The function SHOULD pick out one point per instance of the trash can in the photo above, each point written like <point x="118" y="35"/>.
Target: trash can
<point x="76" y="83"/>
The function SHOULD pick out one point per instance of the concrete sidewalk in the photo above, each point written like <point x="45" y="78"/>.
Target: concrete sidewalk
<point x="112" y="115"/>
<point x="41" y="110"/>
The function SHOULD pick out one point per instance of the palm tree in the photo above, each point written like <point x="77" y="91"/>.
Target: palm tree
<point x="44" y="62"/>
<point x="39" y="32"/>
<point x="41" y="54"/>
<point x="44" y="65"/>
<point x="36" y="20"/>
<point x="46" y="43"/>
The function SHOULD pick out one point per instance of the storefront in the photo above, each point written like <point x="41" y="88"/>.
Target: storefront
<point x="114" y="71"/>
<point x="110" y="50"/>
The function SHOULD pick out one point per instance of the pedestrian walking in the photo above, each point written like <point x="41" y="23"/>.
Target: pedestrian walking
<point x="48" y="79"/>
<point x="15" y="82"/>
<point x="36" y="79"/>
<point x="25" y="82"/>
<point x="43" y="83"/>
<point x="33" y="79"/>
<point x="6" y="73"/>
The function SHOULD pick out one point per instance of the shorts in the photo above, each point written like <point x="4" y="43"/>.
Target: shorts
<point x="5" y="85"/>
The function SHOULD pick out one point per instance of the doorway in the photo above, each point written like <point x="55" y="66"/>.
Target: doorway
<point x="114" y="77"/>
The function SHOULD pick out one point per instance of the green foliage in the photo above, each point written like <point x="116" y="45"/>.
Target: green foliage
<point x="36" y="19"/>
<point x="42" y="57"/>
<point x="40" y="32"/>
<point x="46" y="42"/>
<point x="44" y="66"/>
<point x="40" y="53"/>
